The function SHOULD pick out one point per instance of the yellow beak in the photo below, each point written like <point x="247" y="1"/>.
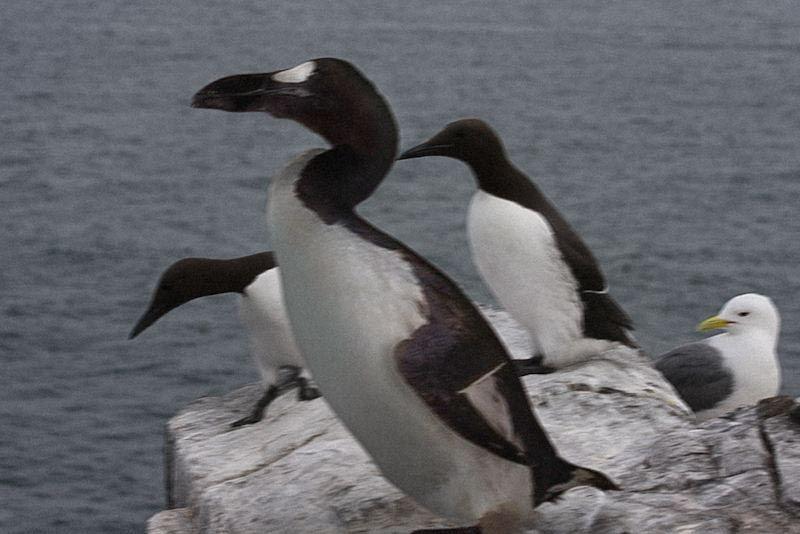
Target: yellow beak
<point x="712" y="323"/>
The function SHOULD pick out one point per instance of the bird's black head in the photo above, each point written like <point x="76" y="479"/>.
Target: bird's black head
<point x="183" y="281"/>
<point x="469" y="140"/>
<point x="191" y="278"/>
<point x="327" y="95"/>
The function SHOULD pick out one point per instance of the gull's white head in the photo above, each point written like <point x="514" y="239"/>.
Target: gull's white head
<point x="746" y="313"/>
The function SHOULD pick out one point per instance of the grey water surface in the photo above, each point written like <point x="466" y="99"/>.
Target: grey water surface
<point x="668" y="134"/>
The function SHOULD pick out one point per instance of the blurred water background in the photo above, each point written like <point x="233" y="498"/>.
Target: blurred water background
<point x="667" y="134"/>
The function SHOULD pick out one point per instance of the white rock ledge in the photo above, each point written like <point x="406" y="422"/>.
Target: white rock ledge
<point x="299" y="471"/>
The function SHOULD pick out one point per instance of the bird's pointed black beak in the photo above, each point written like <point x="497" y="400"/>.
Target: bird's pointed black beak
<point x="247" y="92"/>
<point x="426" y="149"/>
<point x="153" y="314"/>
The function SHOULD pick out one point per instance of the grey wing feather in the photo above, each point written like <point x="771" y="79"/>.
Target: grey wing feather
<point x="697" y="371"/>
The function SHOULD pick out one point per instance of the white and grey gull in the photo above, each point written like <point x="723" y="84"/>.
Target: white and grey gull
<point x="730" y="370"/>
<point x="256" y="278"/>
<point x="404" y="358"/>
<point x="533" y="261"/>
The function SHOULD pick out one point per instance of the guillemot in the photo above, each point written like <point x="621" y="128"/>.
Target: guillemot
<point x="405" y="360"/>
<point x="534" y="263"/>
<point x="733" y="369"/>
<point x="256" y="278"/>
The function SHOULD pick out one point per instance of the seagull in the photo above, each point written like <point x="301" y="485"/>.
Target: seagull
<point x="736" y="368"/>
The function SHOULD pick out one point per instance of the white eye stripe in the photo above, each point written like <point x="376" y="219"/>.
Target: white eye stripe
<point x="296" y="74"/>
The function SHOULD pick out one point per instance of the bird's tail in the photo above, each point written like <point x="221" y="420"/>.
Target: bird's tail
<point x="604" y="318"/>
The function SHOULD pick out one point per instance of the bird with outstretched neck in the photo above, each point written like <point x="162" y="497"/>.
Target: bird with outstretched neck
<point x="256" y="278"/>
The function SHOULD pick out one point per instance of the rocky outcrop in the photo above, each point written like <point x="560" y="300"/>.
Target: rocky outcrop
<point x="299" y="470"/>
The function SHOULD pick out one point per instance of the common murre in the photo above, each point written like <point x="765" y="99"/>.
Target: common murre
<point x="535" y="264"/>
<point x="256" y="278"/>
<point x="733" y="369"/>
<point x="404" y="359"/>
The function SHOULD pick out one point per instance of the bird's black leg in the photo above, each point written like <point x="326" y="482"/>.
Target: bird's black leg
<point x="307" y="392"/>
<point x="258" y="411"/>
<point x="457" y="530"/>
<point x="794" y="414"/>
<point x="288" y="378"/>
<point x="532" y="366"/>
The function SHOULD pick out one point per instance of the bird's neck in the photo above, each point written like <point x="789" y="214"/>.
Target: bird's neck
<point x="334" y="182"/>
<point x="231" y="276"/>
<point x="499" y="177"/>
<point x="755" y="337"/>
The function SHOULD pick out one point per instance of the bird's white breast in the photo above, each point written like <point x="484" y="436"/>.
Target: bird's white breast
<point x="263" y="313"/>
<point x="350" y="303"/>
<point x="515" y="251"/>
<point x="756" y="371"/>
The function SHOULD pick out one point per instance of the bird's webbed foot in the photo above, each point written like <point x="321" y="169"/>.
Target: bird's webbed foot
<point x="794" y="414"/>
<point x="533" y="366"/>
<point x="456" y="530"/>
<point x="307" y="391"/>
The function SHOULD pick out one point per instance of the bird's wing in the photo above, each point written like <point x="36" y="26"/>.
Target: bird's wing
<point x="603" y="317"/>
<point x="459" y="368"/>
<point x="698" y="373"/>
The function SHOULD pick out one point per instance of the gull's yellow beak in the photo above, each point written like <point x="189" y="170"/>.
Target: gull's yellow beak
<point x="712" y="323"/>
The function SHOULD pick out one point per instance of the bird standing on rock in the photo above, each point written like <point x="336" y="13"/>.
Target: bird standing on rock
<point x="405" y="360"/>
<point x="257" y="279"/>
<point x="534" y="263"/>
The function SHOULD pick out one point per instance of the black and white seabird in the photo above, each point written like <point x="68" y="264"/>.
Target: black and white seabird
<point x="535" y="264"/>
<point x="257" y="279"/>
<point x="405" y="360"/>
<point x="733" y="369"/>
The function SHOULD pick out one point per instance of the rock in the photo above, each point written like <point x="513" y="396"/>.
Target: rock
<point x="299" y="470"/>
<point x="176" y="521"/>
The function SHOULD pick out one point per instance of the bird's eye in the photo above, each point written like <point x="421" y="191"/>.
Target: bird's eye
<point x="743" y="314"/>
